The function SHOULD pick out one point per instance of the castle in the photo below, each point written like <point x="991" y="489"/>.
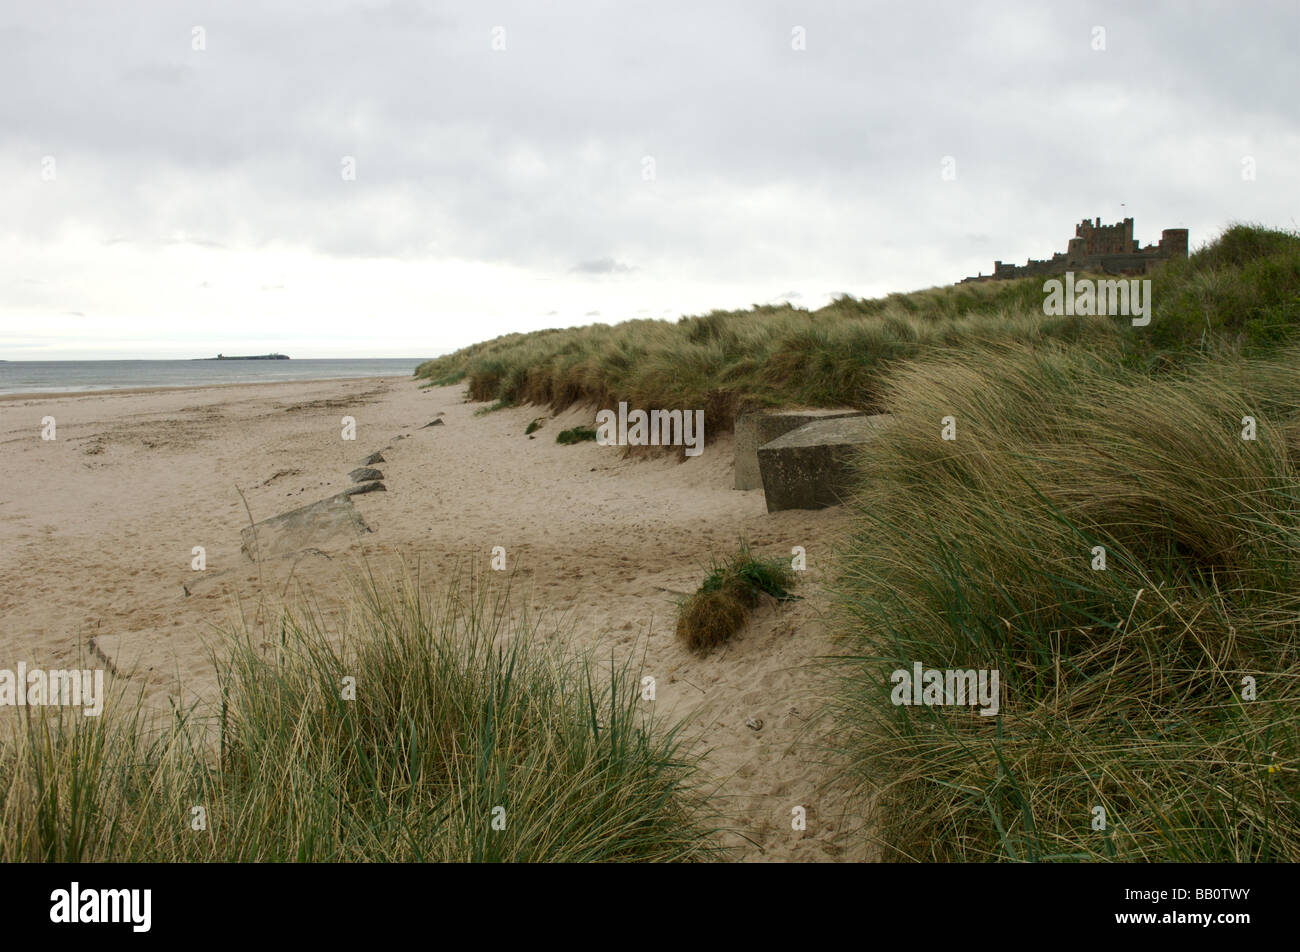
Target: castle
<point x="1096" y="247"/>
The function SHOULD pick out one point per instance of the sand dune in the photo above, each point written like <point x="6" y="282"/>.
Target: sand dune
<point x="97" y="530"/>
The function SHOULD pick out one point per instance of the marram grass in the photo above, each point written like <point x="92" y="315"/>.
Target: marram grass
<point x="1240" y="293"/>
<point x="1150" y="709"/>
<point x="467" y="741"/>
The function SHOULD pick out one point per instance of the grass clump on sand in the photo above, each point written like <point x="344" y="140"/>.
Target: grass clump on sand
<point x="534" y="426"/>
<point x="467" y="741"/>
<point x="577" y="434"/>
<point x="492" y="408"/>
<point x="1126" y="688"/>
<point x="719" y="607"/>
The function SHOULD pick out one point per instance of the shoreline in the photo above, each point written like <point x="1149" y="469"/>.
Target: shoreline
<point x="36" y="395"/>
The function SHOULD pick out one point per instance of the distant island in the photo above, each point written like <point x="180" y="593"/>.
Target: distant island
<point x="255" y="357"/>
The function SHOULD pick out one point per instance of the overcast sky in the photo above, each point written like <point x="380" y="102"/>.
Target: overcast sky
<point x="175" y="176"/>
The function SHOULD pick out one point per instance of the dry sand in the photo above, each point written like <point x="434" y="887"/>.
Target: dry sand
<point x="97" y="529"/>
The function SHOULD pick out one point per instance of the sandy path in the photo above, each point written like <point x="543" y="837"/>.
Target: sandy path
<point x="97" y="528"/>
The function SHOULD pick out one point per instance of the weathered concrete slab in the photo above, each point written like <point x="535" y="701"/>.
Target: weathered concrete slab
<point x="763" y="426"/>
<point x="374" y="486"/>
<point x="811" y="467"/>
<point x="309" y="527"/>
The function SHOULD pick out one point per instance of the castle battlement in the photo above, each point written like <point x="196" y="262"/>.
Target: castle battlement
<point x="1110" y="249"/>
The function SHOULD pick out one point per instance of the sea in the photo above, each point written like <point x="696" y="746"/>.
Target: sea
<point x="74" y="376"/>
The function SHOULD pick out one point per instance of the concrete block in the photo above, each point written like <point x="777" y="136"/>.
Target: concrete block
<point x="811" y="467"/>
<point x="763" y="426"/>
<point x="308" y="527"/>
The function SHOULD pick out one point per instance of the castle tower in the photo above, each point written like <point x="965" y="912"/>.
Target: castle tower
<point x="1173" y="243"/>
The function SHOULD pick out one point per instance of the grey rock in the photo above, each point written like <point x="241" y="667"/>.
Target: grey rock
<point x="374" y="458"/>
<point x="364" y="474"/>
<point x="432" y="423"/>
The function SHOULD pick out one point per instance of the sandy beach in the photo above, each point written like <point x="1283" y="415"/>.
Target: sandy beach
<point x="98" y="526"/>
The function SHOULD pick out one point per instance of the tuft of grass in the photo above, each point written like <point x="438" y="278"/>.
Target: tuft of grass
<point x="1124" y="688"/>
<point x="493" y="407"/>
<point x="446" y="380"/>
<point x="534" y="426"/>
<point x="734" y="587"/>
<point x="578" y="434"/>
<point x="467" y="740"/>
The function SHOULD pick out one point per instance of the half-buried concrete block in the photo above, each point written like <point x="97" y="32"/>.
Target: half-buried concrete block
<point x="812" y="467"/>
<point x="373" y="486"/>
<point x="763" y="426"/>
<point x="305" y="528"/>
